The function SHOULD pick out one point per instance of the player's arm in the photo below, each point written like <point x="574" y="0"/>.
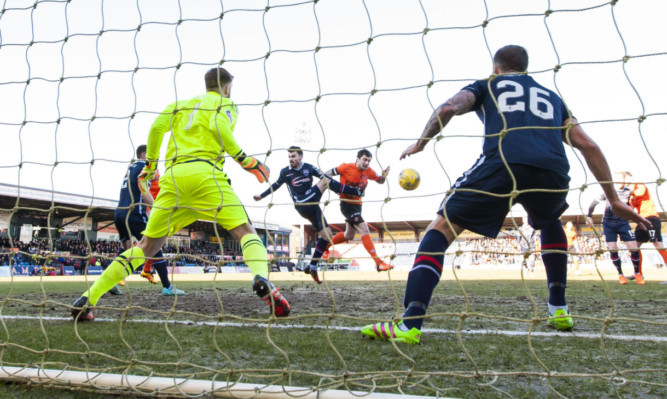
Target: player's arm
<point x="383" y="177"/>
<point x="222" y="125"/>
<point x="332" y="172"/>
<point x="160" y="126"/>
<point x="275" y="186"/>
<point x="598" y="165"/>
<point x="591" y="208"/>
<point x="461" y="103"/>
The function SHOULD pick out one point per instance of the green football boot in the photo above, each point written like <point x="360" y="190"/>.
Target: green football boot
<point x="391" y="331"/>
<point x="561" y="320"/>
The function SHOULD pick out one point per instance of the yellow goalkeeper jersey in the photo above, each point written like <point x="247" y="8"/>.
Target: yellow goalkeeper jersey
<point x="201" y="129"/>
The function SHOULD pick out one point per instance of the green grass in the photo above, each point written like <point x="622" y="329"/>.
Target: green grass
<point x="185" y="340"/>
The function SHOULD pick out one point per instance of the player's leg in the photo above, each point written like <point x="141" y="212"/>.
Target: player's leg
<point x="635" y="255"/>
<point x="336" y="187"/>
<point x="656" y="237"/>
<point x="211" y="194"/>
<point x="352" y="213"/>
<point x="610" y="236"/>
<point x="255" y="256"/>
<point x="482" y="214"/>
<point x="362" y="228"/>
<point x="123" y="265"/>
<point x="160" y="265"/>
<point x="315" y="216"/>
<point x="544" y="209"/>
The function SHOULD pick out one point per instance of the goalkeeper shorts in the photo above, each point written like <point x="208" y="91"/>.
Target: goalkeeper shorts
<point x="472" y="206"/>
<point x="190" y="192"/>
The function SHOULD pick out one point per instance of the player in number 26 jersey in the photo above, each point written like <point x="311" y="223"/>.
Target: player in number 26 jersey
<point x="534" y="113"/>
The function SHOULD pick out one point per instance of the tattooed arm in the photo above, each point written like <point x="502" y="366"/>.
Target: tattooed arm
<point x="461" y="103"/>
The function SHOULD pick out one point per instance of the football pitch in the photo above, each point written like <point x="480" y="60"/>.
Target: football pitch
<point x="485" y="336"/>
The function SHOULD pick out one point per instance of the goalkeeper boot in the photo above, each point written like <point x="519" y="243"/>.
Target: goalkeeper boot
<point x="313" y="274"/>
<point x="171" y="291"/>
<point x="149" y="276"/>
<point x="392" y="332"/>
<point x="270" y="294"/>
<point x="383" y="267"/>
<point x="561" y="320"/>
<point x="81" y="310"/>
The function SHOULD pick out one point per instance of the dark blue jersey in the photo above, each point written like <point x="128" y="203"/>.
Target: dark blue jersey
<point x="298" y="181"/>
<point x="130" y="195"/>
<point x="534" y="116"/>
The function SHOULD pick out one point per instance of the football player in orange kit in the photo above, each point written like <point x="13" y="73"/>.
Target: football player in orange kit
<point x="640" y="200"/>
<point x="357" y="175"/>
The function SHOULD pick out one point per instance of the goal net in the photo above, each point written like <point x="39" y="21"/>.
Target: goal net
<point x="81" y="82"/>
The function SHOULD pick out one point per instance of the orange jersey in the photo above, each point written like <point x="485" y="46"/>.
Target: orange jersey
<point x="350" y="175"/>
<point x="571" y="236"/>
<point x="640" y="199"/>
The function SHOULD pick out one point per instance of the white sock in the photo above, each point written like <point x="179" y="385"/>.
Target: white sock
<point x="553" y="309"/>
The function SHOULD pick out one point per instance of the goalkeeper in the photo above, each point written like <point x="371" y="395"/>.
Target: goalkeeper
<point x="194" y="187"/>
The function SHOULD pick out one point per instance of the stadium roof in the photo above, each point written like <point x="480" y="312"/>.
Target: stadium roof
<point x="39" y="202"/>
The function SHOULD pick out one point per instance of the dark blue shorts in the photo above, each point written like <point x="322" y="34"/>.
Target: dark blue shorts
<point x="308" y="206"/>
<point x="314" y="215"/>
<point x="136" y="226"/>
<point x="485" y="214"/>
<point x="653" y="234"/>
<point x="613" y="231"/>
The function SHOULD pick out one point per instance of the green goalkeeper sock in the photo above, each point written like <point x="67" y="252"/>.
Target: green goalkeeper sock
<point x="122" y="266"/>
<point x="254" y="254"/>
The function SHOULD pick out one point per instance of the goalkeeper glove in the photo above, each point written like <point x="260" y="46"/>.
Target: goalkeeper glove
<point x="257" y="168"/>
<point x="147" y="174"/>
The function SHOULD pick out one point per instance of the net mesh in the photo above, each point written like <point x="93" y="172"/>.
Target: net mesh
<point x="82" y="81"/>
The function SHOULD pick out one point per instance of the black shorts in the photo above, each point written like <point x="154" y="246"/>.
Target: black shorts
<point x="308" y="206"/>
<point x="314" y="215"/>
<point x="653" y="234"/>
<point x="136" y="226"/>
<point x="485" y="214"/>
<point x="352" y="213"/>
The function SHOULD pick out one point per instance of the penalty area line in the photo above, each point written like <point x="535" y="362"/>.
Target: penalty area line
<point x="509" y="333"/>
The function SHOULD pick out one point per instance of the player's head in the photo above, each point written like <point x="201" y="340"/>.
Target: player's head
<point x="364" y="159"/>
<point x="511" y="58"/>
<point x="620" y="179"/>
<point x="295" y="155"/>
<point x="219" y="81"/>
<point x="141" y="152"/>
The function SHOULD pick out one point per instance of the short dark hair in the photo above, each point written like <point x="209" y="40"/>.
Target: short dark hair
<point x="511" y="58"/>
<point x="141" y="149"/>
<point x="295" y="148"/>
<point x="217" y="78"/>
<point x="363" y="152"/>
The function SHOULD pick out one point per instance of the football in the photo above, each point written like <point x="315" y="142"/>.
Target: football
<point x="409" y="179"/>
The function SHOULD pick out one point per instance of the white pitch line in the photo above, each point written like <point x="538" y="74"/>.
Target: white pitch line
<point x="508" y="333"/>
